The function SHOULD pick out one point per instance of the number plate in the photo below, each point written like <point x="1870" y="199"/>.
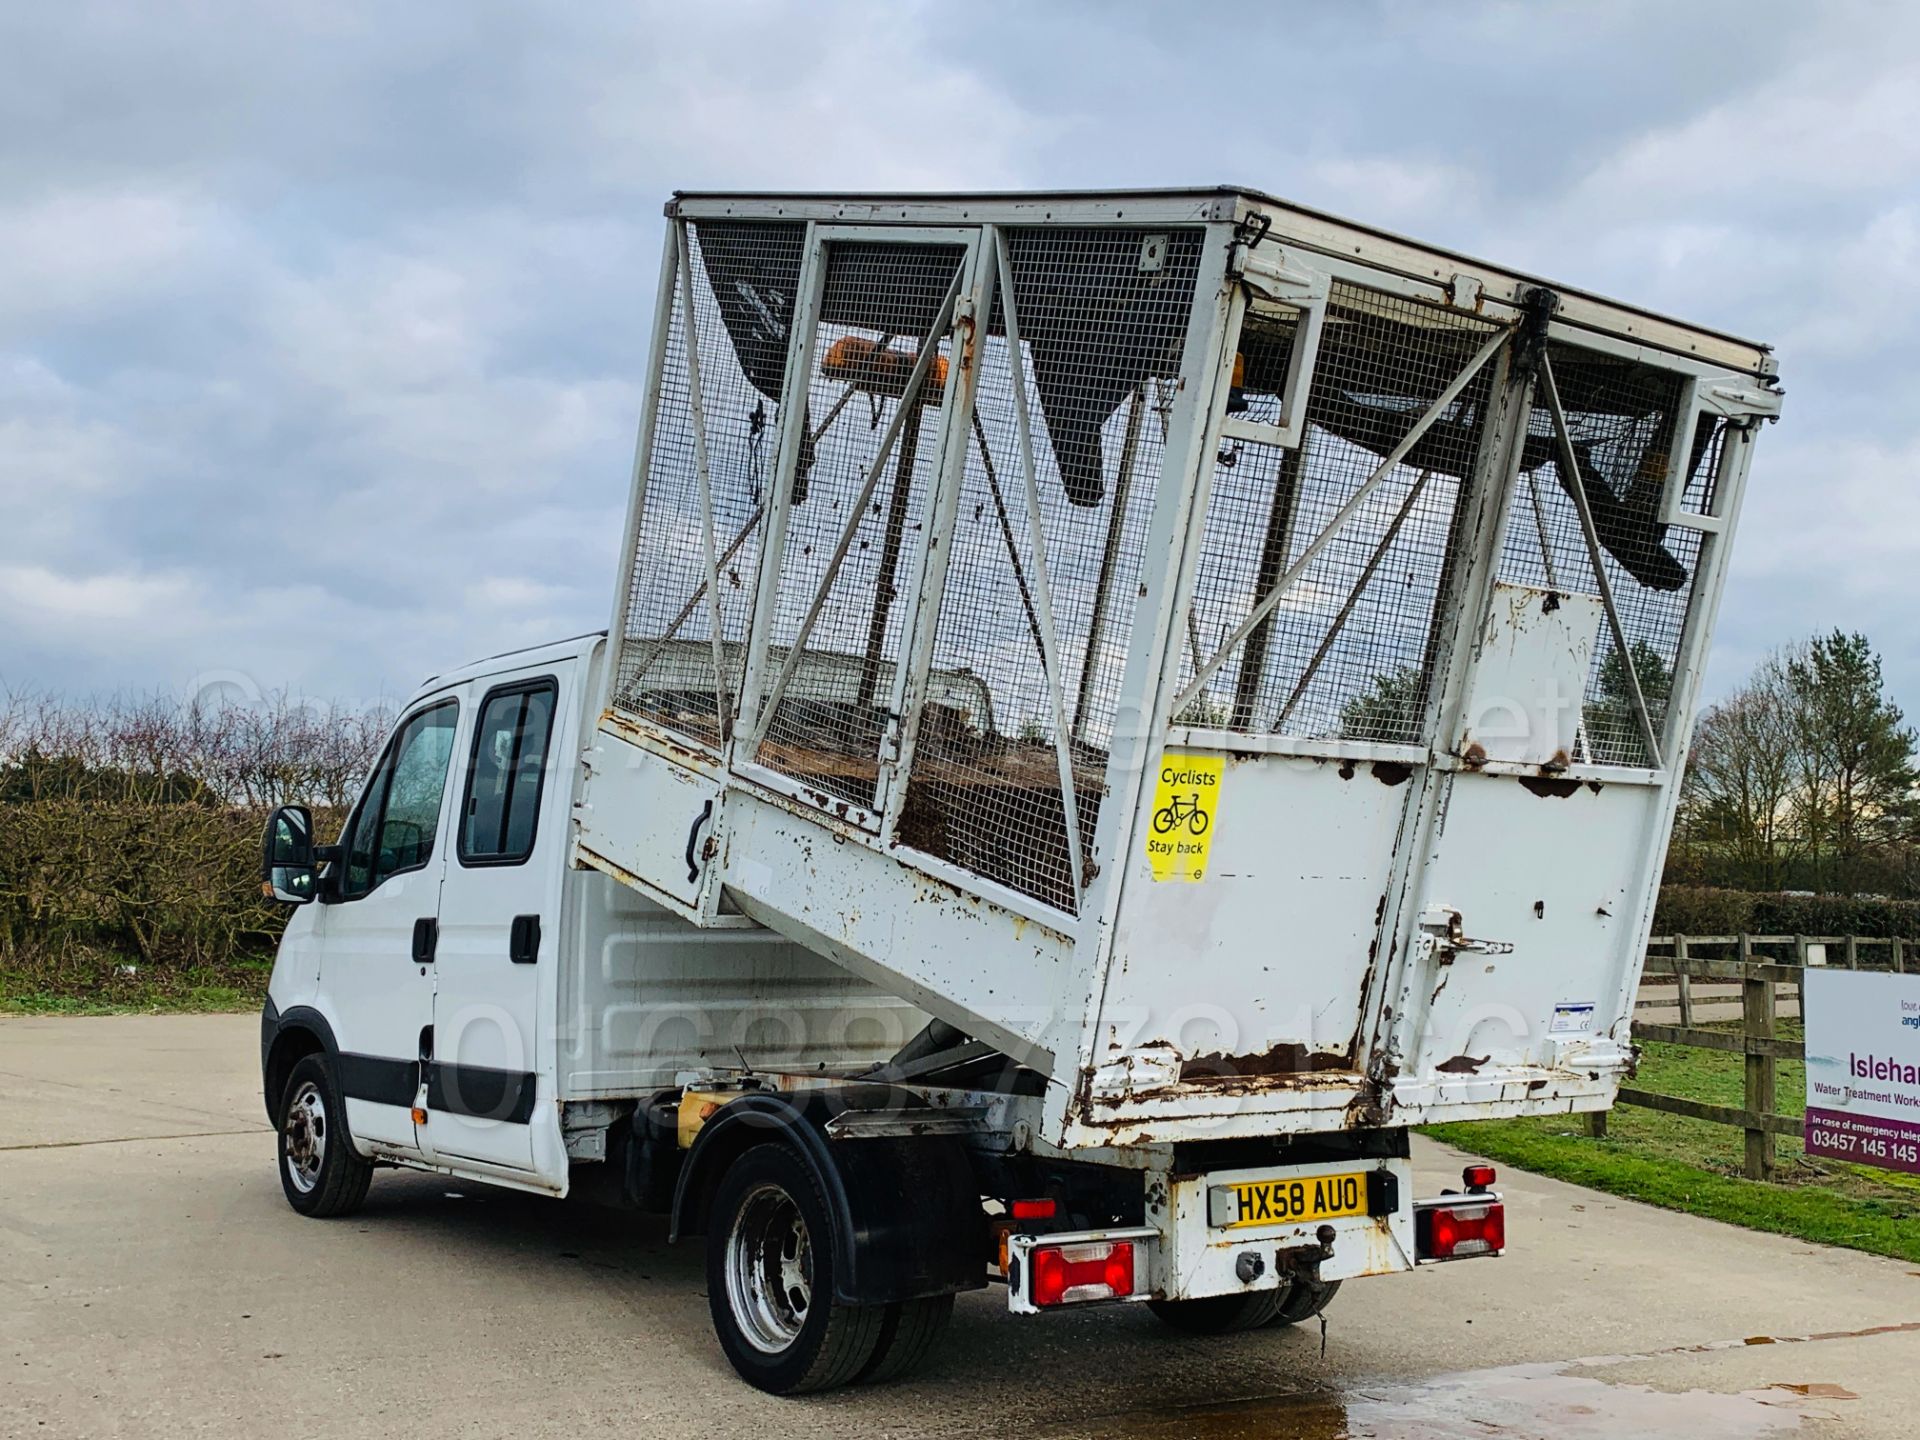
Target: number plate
<point x="1287" y="1202"/>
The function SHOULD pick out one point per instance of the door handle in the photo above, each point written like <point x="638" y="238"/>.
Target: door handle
<point x="523" y="941"/>
<point x="1445" y="929"/>
<point x="426" y="939"/>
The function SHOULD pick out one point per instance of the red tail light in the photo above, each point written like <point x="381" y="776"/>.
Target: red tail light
<point x="1034" y="1209"/>
<point x="1458" y="1229"/>
<point x="1478" y="1177"/>
<point x="1067" y="1274"/>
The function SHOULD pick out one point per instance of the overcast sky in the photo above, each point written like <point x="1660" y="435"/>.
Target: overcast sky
<point x="321" y="326"/>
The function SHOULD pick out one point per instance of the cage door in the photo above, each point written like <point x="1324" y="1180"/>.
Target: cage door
<point x="1321" y="561"/>
<point x="875" y="396"/>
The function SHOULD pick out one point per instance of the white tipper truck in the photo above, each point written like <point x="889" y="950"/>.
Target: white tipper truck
<point x="1116" y="705"/>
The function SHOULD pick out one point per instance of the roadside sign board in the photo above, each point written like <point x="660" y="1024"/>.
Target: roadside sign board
<point x="1863" y="1067"/>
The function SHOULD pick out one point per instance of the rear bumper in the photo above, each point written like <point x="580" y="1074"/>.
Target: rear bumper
<point x="1199" y="1258"/>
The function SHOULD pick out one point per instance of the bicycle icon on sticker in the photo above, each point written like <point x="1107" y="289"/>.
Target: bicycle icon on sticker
<point x="1177" y="812"/>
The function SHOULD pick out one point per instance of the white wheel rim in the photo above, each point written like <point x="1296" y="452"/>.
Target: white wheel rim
<point x="769" y="1263"/>
<point x="306" y="1137"/>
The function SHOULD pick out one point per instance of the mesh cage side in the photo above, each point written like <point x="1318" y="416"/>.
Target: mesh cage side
<point x="1702" y="489"/>
<point x="1346" y="652"/>
<point x="879" y="301"/>
<point x="745" y="275"/>
<point x="1101" y="337"/>
<point x="1621" y="416"/>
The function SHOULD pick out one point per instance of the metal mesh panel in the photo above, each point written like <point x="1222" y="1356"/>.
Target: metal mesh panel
<point x="1345" y="654"/>
<point x="1703" y="475"/>
<point x="1102" y="315"/>
<point x="1620" y="416"/>
<point x="744" y="276"/>
<point x="878" y="304"/>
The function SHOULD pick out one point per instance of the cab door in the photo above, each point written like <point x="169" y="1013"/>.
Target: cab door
<point x="499" y="920"/>
<point x="376" y="932"/>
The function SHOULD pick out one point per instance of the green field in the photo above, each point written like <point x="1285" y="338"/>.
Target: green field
<point x="1695" y="1165"/>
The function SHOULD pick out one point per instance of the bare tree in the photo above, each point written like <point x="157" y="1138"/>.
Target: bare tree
<point x="1743" y="777"/>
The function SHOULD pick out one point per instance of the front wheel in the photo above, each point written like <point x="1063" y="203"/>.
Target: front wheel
<point x="320" y="1171"/>
<point x="770" y="1280"/>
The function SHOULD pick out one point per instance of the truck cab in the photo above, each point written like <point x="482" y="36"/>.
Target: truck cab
<point x="468" y="983"/>
<point x="439" y="914"/>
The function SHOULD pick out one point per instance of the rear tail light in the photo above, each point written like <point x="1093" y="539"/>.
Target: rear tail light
<point x="1458" y="1228"/>
<point x="1034" y="1209"/>
<point x="1066" y="1274"/>
<point x="1045" y="1272"/>
<point x="1478" y="1177"/>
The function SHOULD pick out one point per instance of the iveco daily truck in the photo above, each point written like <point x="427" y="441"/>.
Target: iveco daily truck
<point x="1115" y="706"/>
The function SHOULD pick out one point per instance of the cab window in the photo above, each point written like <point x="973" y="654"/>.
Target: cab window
<point x="393" y="829"/>
<point x="507" y="773"/>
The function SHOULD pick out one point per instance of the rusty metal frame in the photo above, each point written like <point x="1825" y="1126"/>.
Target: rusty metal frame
<point x="1345" y="514"/>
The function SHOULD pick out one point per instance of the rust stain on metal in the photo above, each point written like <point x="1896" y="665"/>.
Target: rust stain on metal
<point x="1462" y="1065"/>
<point x="1392" y="772"/>
<point x="1279" y="1062"/>
<point x="1548" y="787"/>
<point x="1474" y="756"/>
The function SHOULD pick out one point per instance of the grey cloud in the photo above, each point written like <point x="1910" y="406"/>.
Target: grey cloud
<point x="323" y="325"/>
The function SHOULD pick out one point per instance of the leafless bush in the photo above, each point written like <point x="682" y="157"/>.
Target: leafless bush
<point x="132" y="824"/>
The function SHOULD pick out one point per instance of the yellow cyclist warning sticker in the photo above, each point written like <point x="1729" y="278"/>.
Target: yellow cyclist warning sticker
<point x="1184" y="806"/>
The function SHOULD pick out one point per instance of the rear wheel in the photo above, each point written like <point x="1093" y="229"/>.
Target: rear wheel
<point x="1220" y="1314"/>
<point x="320" y="1171"/>
<point x="1303" y="1302"/>
<point x="907" y="1337"/>
<point x="770" y="1280"/>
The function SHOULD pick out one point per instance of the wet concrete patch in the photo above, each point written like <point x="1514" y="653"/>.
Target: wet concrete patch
<point x="1519" y="1402"/>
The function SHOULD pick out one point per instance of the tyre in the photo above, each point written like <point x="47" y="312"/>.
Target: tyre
<point x="1303" y="1302"/>
<point x="907" y="1337"/>
<point x="321" y="1172"/>
<point x="1198" y="822"/>
<point x="770" y="1266"/>
<point x="1220" y="1314"/>
<point x="1164" y="820"/>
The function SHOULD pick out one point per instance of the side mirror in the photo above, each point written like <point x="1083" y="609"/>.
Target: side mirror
<point x="286" y="856"/>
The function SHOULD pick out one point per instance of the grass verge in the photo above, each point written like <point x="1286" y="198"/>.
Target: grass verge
<point x="1695" y="1166"/>
<point x="91" y="983"/>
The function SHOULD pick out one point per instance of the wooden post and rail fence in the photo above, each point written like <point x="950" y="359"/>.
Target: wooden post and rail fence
<point x="1761" y="966"/>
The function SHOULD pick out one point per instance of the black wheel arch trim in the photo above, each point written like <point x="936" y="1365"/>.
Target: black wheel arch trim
<point x="274" y="1023"/>
<point x="906" y="1213"/>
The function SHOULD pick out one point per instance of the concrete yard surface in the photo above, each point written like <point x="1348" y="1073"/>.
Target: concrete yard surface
<point x="153" y="1282"/>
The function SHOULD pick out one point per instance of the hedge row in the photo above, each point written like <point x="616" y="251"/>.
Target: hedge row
<point x="1703" y="910"/>
<point x="164" y="884"/>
